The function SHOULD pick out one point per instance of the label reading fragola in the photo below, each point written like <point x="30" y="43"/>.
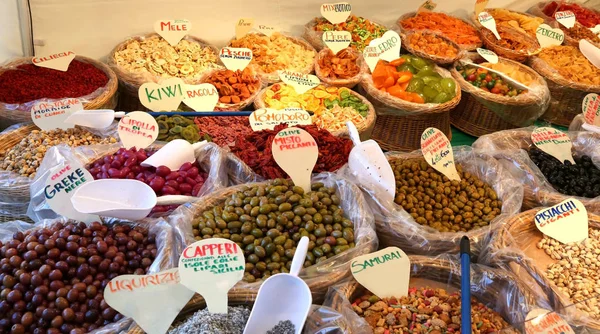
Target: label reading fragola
<point x="262" y="119"/>
<point x="336" y="12"/>
<point x="58" y="61"/>
<point x="299" y="81"/>
<point x="211" y="267"/>
<point x="296" y="152"/>
<point x="235" y="58"/>
<point x="165" y="96"/>
<point x="553" y="142"/>
<point x="566" y="18"/>
<point x="243" y="26"/>
<point x="437" y="150"/>
<point x="371" y="56"/>
<point x="143" y="292"/>
<point x="202" y="97"/>
<point x="60" y="186"/>
<point x="488" y="55"/>
<point x="172" y="30"/>
<point x="52" y="115"/>
<point x="388" y="45"/>
<point x="337" y="40"/>
<point x="488" y="21"/>
<point x="137" y="129"/>
<point x="540" y="321"/>
<point x="385" y="273"/>
<point x="566" y="222"/>
<point x="548" y="36"/>
<point x="591" y="109"/>
<point x="427" y="6"/>
<point x="480" y="6"/>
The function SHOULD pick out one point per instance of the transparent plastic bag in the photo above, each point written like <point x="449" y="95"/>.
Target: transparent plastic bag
<point x="579" y="124"/>
<point x="510" y="148"/>
<point x="209" y="156"/>
<point x="497" y="289"/>
<point x="319" y="276"/>
<point x="396" y="227"/>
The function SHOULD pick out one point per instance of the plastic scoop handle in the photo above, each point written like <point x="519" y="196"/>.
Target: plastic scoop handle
<point x="504" y="76"/>
<point x="353" y="132"/>
<point x="175" y="199"/>
<point x="299" y="256"/>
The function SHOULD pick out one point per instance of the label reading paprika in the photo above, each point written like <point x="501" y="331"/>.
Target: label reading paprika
<point x="480" y="6"/>
<point x="52" y="115"/>
<point x="172" y="30"/>
<point x="427" y="6"/>
<point x="301" y="82"/>
<point x="267" y="119"/>
<point x="386" y="273"/>
<point x="566" y="222"/>
<point x="135" y="296"/>
<point x="540" y="321"/>
<point x="235" y="58"/>
<point x="211" y="267"/>
<point x="336" y="12"/>
<point x="60" y="186"/>
<point x="591" y="109"/>
<point x="165" y="96"/>
<point x="554" y="142"/>
<point x="488" y="55"/>
<point x="337" y="40"/>
<point x="202" y="97"/>
<point x="488" y="21"/>
<point x="438" y="153"/>
<point x="243" y="26"/>
<point x="566" y="18"/>
<point x="548" y="36"/>
<point x="137" y="129"/>
<point x="58" y="61"/>
<point x="387" y="46"/>
<point x="296" y="152"/>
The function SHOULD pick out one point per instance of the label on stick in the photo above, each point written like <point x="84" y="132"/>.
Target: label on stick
<point x="202" y="97"/>
<point x="301" y="82"/>
<point x="488" y="55"/>
<point x="554" y="142"/>
<point x="566" y="222"/>
<point x="540" y="321"/>
<point x="235" y="58"/>
<point x="548" y="36"/>
<point x="387" y="46"/>
<point x="566" y="18"/>
<point x="266" y="118"/>
<point x="480" y="6"/>
<point x="336" y="12"/>
<point x="296" y="152"/>
<point x="386" y="273"/>
<point x="58" y="61"/>
<point x="52" y="115"/>
<point x="172" y="30"/>
<point x="489" y="22"/>
<point x="427" y="6"/>
<point x="336" y="41"/>
<point x="243" y="26"/>
<point x="437" y="151"/>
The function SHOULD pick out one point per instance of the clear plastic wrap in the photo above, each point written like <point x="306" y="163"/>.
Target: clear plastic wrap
<point x="318" y="277"/>
<point x="209" y="156"/>
<point x="102" y="98"/>
<point x="497" y="289"/>
<point x="396" y="227"/>
<point x="510" y="148"/>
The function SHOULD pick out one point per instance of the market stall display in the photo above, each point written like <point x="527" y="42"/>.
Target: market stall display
<point x="363" y="31"/>
<point x="178" y="127"/>
<point x="455" y="29"/>
<point x="576" y="33"/>
<point x="237" y="89"/>
<point x="343" y="69"/>
<point x="223" y="131"/>
<point x="586" y="16"/>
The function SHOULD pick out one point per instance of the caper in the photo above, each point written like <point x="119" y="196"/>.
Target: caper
<point x="253" y="258"/>
<point x="260" y="251"/>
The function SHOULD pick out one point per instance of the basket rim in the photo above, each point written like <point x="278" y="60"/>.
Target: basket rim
<point x="348" y="82"/>
<point x="549" y="73"/>
<point x="406" y="37"/>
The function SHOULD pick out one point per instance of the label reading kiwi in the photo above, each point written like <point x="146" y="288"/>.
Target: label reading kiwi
<point x="438" y="153"/>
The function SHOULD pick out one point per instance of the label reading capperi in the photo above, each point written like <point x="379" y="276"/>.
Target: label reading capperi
<point x="548" y="36"/>
<point x="336" y="12"/>
<point x="591" y="109"/>
<point x="137" y="129"/>
<point x="387" y="46"/>
<point x="52" y="115"/>
<point x="235" y="58"/>
<point x="165" y="96"/>
<point x="386" y="273"/>
<point x="211" y="267"/>
<point x="296" y="152"/>
<point x="488" y="55"/>
<point x="566" y="222"/>
<point x="153" y="301"/>
<point x="566" y="18"/>
<point x="336" y="41"/>
<point x="488" y="21"/>
<point x="202" y="97"/>
<point x="299" y="81"/>
<point x="554" y="142"/>
<point x="60" y="186"/>
<point x="58" y="61"/>
<point x="243" y="26"/>
<point x="172" y="30"/>
<point x="540" y="321"/>
<point x="438" y="153"/>
<point x="265" y="118"/>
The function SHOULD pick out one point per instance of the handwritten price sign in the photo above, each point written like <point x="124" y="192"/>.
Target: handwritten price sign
<point x="553" y="142"/>
<point x="438" y="152"/>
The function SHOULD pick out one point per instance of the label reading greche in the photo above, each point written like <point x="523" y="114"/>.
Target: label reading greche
<point x="438" y="153"/>
<point x="488" y="21"/>
<point x="548" y="36"/>
<point x="387" y="46"/>
<point x="296" y="152"/>
<point x="566" y="222"/>
<point x="52" y="115"/>
<point x="386" y="273"/>
<point x="591" y="109"/>
<point x="336" y="12"/>
<point x="566" y="18"/>
<point x="540" y="321"/>
<point x="172" y="30"/>
<point x="202" y="97"/>
<point x="211" y="267"/>
<point x="243" y="26"/>
<point x="153" y="301"/>
<point x="265" y="118"/>
<point x="488" y="55"/>
<point x="553" y="142"/>
<point x="58" y="61"/>
<point x="299" y="81"/>
<point x="235" y="58"/>
<point x="165" y="96"/>
<point x="336" y="41"/>
<point x="137" y="129"/>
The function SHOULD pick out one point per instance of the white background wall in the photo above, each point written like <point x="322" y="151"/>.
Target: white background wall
<point x="94" y="27"/>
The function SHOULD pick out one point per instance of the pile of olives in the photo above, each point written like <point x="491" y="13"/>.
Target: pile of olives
<point x="426" y="81"/>
<point x="268" y="220"/>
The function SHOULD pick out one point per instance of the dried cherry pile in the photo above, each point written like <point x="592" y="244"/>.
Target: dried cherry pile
<point x="581" y="179"/>
<point x="52" y="279"/>
<point x="255" y="150"/>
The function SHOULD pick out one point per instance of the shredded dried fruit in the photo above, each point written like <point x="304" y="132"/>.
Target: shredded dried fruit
<point x="453" y="28"/>
<point x="343" y="65"/>
<point x="432" y="45"/>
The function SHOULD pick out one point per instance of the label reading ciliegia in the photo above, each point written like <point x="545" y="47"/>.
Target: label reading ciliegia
<point x="566" y="222"/>
<point x="488" y="21"/>
<point x="554" y="142"/>
<point x="265" y="118"/>
<point x="172" y="30"/>
<point x="301" y="82"/>
<point x="591" y="109"/>
<point x="58" y="61"/>
<point x="52" y="115"/>
<point x="566" y="18"/>
<point x="488" y="55"/>
<point x="437" y="151"/>
<point x="235" y="58"/>
<point x="336" y="12"/>
<point x="336" y="41"/>
<point x="548" y="36"/>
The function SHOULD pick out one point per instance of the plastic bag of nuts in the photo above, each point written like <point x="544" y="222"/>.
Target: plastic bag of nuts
<point x="430" y="213"/>
<point x="47" y="256"/>
<point x="546" y="186"/>
<point x="209" y="157"/>
<point x="341" y="229"/>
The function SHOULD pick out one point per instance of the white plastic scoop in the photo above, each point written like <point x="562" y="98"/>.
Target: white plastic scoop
<point x="282" y="297"/>
<point x="174" y="154"/>
<point x="370" y="165"/>
<point x="502" y="75"/>
<point x="96" y="119"/>
<point x="590" y="51"/>
<point x="124" y="199"/>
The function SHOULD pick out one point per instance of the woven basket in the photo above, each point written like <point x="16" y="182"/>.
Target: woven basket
<point x="537" y="10"/>
<point x="407" y="44"/>
<point x="566" y="96"/>
<point x="103" y="98"/>
<point x="491" y="43"/>
<point x="315" y="38"/>
<point x="349" y="82"/>
<point x="129" y="83"/>
<point x="242" y="105"/>
<point x="521" y="233"/>
<point x="569" y="39"/>
<point x="445" y="274"/>
<point x="364" y="129"/>
<point x="466" y="47"/>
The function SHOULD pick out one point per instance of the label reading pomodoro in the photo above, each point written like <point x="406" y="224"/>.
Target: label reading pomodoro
<point x="566" y="222"/>
<point x="52" y="115"/>
<point x="265" y="118"/>
<point x="554" y="142"/>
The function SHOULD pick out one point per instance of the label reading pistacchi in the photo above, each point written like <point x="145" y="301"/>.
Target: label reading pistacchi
<point x="58" y="61"/>
<point x="386" y="273"/>
<point x="554" y="142"/>
<point x="437" y="151"/>
<point x="336" y="12"/>
<point x="172" y="30"/>
<point x="566" y="222"/>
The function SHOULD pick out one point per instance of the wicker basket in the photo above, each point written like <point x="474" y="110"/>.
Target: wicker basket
<point x="466" y="47"/>
<point x="103" y="98"/>
<point x="364" y="129"/>
<point x="537" y="10"/>
<point x="445" y="274"/>
<point x="129" y="83"/>
<point x="242" y="105"/>
<point x="490" y="41"/>
<point x="522" y="234"/>
<point x="569" y="39"/>
<point x="349" y="82"/>
<point x="315" y="38"/>
<point x="406" y="38"/>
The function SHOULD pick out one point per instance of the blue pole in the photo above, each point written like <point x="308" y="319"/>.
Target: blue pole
<point x="465" y="285"/>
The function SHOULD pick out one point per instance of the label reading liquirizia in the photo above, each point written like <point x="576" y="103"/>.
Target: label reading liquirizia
<point x="157" y="299"/>
<point x="265" y="118"/>
<point x="336" y="12"/>
<point x="137" y="129"/>
<point x="235" y="58"/>
<point x="540" y="321"/>
<point x="60" y="186"/>
<point x="202" y="97"/>
<point x="52" y="115"/>
<point x="386" y="273"/>
<point x="591" y="109"/>
<point x="211" y="267"/>
<point x="548" y="36"/>
<point x="172" y="30"/>
<point x="58" y="61"/>
<point x="165" y="96"/>
<point x="337" y="40"/>
<point x="299" y="81"/>
<point x="438" y="153"/>
<point x="488" y="55"/>
<point x="554" y="142"/>
<point x="296" y="152"/>
<point x="387" y="46"/>
<point x="489" y="22"/>
<point x="243" y="26"/>
<point x="566" y="18"/>
<point x="566" y="222"/>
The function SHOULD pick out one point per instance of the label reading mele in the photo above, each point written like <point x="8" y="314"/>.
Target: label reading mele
<point x="336" y="41"/>
<point x="488" y="55"/>
<point x="58" y="61"/>
<point x="554" y="142"/>
<point x="202" y="97"/>
<point x="386" y="273"/>
<point x="540" y="321"/>
<point x="438" y="153"/>
<point x="265" y="118"/>
<point x="488" y="21"/>
<point x="566" y="221"/>
<point x="296" y="152"/>
<point x="137" y="129"/>
<point x="243" y="26"/>
<point x="336" y="12"/>
<point x="153" y="301"/>
<point x="387" y="46"/>
<point x="211" y="267"/>
<point x="301" y="82"/>
<point x="548" y="36"/>
<point x="591" y="109"/>
<point x="566" y="18"/>
<point x="52" y="115"/>
<point x="235" y="58"/>
<point x="165" y="96"/>
<point x="172" y="30"/>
